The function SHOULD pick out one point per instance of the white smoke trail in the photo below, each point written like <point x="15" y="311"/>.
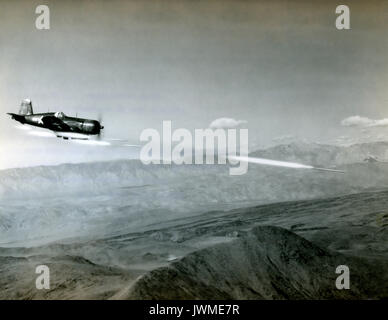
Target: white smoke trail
<point x="131" y="145"/>
<point x="92" y="142"/>
<point x="23" y="127"/>
<point x="277" y="163"/>
<point x="44" y="134"/>
<point x="271" y="162"/>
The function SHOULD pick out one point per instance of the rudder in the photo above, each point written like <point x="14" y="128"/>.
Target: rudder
<point x="26" y="107"/>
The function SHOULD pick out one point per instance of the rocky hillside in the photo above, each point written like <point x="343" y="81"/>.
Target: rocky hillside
<point x="266" y="263"/>
<point x="275" y="184"/>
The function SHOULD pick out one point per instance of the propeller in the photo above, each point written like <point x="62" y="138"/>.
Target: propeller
<point x="101" y="126"/>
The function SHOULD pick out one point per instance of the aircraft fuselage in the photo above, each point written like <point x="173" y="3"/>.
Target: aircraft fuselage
<point x="48" y="121"/>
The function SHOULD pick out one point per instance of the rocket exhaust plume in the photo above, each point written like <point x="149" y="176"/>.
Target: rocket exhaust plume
<point x="43" y="134"/>
<point x="277" y="163"/>
<point x="23" y="127"/>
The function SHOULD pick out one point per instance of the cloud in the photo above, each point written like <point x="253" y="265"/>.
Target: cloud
<point x="226" y="123"/>
<point x="357" y="121"/>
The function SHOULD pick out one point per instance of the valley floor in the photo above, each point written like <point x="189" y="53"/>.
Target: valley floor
<point x="285" y="250"/>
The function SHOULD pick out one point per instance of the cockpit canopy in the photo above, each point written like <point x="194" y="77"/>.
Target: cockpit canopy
<point x="59" y="115"/>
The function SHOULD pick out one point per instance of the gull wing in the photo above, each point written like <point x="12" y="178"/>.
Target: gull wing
<point x="55" y="124"/>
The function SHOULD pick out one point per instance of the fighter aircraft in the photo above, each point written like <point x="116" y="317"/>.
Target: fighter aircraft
<point x="63" y="126"/>
<point x="81" y="129"/>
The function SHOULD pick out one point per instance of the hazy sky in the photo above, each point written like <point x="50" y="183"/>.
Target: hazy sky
<point x="280" y="65"/>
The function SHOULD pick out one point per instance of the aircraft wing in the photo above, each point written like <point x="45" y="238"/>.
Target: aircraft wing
<point x="55" y="124"/>
<point x="277" y="163"/>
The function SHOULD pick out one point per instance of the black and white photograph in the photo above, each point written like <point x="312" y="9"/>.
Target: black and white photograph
<point x="193" y="150"/>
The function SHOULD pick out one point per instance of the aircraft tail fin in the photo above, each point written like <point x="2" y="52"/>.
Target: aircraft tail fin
<point x="26" y="107"/>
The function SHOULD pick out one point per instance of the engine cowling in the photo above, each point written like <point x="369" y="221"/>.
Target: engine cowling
<point x="91" y="127"/>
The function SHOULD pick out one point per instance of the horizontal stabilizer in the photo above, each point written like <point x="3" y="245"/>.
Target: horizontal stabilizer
<point x="17" y="117"/>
